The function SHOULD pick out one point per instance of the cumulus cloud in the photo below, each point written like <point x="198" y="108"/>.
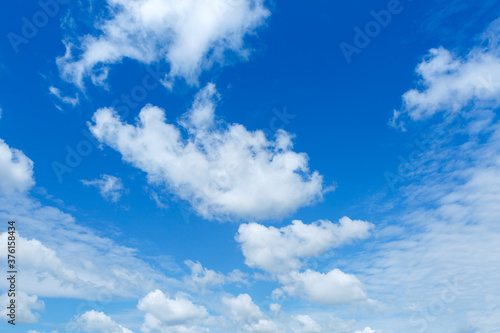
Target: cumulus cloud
<point x="16" y="170"/>
<point x="247" y="315"/>
<point x="281" y="253"/>
<point x="450" y="82"/>
<point x="28" y="307"/>
<point x="187" y="35"/>
<point x="164" y="314"/>
<point x="110" y="187"/>
<point x="332" y="288"/>
<point x="93" y="321"/>
<point x="279" y="250"/>
<point x="223" y="170"/>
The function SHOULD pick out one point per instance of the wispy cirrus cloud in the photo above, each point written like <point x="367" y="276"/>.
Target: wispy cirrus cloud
<point x="446" y="247"/>
<point x="110" y="187"/>
<point x="73" y="101"/>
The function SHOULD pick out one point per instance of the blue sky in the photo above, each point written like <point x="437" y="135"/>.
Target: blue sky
<point x="251" y="165"/>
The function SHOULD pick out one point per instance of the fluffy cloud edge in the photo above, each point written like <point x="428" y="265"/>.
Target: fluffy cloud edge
<point x="223" y="170"/>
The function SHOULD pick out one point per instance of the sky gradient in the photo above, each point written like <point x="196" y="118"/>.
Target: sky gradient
<point x="251" y="166"/>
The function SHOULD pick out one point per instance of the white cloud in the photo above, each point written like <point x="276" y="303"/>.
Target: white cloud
<point x="332" y="288"/>
<point x="446" y="257"/>
<point x="27" y="307"/>
<point x="101" y="270"/>
<point x="73" y="101"/>
<point x="442" y="269"/>
<point x="188" y="35"/>
<point x="366" y="330"/>
<point x="281" y="253"/>
<point x="202" y="279"/>
<point x="281" y="250"/>
<point x="164" y="314"/>
<point x="93" y="321"/>
<point x="450" y="83"/>
<point x="60" y="257"/>
<point x="275" y="308"/>
<point x="110" y="187"/>
<point x="247" y="315"/>
<point x="308" y="324"/>
<point x="223" y="170"/>
<point x="16" y="170"/>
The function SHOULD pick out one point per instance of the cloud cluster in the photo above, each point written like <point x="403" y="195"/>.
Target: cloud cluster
<point x="247" y="315"/>
<point x="223" y="170"/>
<point x="330" y="289"/>
<point x="281" y="253"/>
<point x="16" y="170"/>
<point x="164" y="314"/>
<point x="188" y="35"/>
<point x="280" y="250"/>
